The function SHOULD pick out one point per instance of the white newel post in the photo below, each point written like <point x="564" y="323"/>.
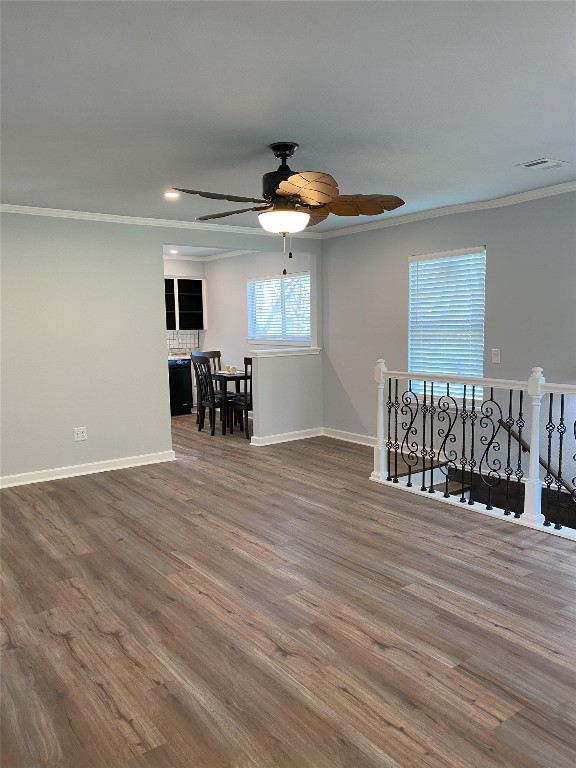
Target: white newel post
<point x="379" y="472"/>
<point x="533" y="485"/>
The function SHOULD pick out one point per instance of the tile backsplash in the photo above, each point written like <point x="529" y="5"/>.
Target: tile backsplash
<point x="182" y="342"/>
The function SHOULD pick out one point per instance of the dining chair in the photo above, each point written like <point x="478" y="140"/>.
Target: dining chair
<point x="241" y="402"/>
<point x="215" y="357"/>
<point x="208" y="397"/>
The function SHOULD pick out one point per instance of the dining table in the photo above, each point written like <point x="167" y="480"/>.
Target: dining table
<point x="224" y="378"/>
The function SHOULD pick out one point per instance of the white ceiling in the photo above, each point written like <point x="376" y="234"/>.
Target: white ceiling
<point x="106" y="104"/>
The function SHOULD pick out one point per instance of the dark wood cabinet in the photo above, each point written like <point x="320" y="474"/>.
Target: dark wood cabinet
<point x="170" y="301"/>
<point x="184" y="304"/>
<point x="190" y="305"/>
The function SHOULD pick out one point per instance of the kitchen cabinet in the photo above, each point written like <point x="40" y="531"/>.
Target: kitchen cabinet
<point x="184" y="299"/>
<point x="180" y="378"/>
<point x="170" y="301"/>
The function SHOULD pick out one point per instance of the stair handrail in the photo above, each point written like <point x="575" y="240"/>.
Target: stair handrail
<point x="543" y="463"/>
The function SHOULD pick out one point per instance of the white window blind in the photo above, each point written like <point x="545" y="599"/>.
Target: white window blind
<point x="446" y="316"/>
<point x="279" y="308"/>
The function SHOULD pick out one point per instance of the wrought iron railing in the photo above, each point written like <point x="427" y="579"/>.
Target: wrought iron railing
<point x="482" y="447"/>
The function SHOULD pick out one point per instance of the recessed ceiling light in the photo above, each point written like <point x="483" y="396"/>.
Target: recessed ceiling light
<point x="543" y="164"/>
<point x="173" y="251"/>
<point x="171" y="195"/>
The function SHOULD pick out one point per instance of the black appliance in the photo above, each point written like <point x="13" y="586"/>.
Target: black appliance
<point x="180" y="378"/>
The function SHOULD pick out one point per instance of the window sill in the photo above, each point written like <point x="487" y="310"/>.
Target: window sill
<point x="285" y="351"/>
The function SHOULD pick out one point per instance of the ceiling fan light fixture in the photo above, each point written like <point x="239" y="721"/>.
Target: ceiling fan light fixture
<point x="283" y="220"/>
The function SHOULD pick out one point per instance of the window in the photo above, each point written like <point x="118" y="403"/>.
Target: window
<point x="446" y="316"/>
<point x="279" y="308"/>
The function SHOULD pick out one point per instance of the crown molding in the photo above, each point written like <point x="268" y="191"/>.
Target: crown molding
<point x="211" y="257"/>
<point x="225" y="255"/>
<point x="499" y="202"/>
<point x="113" y="218"/>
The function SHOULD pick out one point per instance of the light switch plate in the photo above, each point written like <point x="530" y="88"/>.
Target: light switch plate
<point x="495" y="355"/>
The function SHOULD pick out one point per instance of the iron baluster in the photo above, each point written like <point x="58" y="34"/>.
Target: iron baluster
<point x="423" y="451"/>
<point x="548" y="479"/>
<point x="431" y="453"/>
<point x="574" y="478"/>
<point x="444" y="404"/>
<point x="463" y="459"/>
<point x="561" y="429"/>
<point x="389" y="440"/>
<point x="490" y="465"/>
<point x="508" y="469"/>
<point x="472" y="461"/>
<point x="519" y="473"/>
<point x="396" y="443"/>
<point x="408" y="448"/>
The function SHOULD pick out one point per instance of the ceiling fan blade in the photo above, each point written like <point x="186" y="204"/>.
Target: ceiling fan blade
<point x="218" y="196"/>
<point x="361" y="205"/>
<point x="315" y="217"/>
<point x="230" y="213"/>
<point x="311" y="187"/>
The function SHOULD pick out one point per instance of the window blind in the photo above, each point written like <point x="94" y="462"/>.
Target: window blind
<point x="279" y="308"/>
<point x="446" y="316"/>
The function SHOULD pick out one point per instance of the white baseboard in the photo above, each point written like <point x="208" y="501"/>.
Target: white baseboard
<point x="286" y="437"/>
<point x="59" y="473"/>
<point x="336" y="434"/>
<point x="349" y="437"/>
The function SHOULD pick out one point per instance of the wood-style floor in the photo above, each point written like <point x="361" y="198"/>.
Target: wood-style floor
<point x="250" y="607"/>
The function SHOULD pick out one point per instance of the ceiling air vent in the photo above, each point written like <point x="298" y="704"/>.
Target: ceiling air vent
<point x="543" y="163"/>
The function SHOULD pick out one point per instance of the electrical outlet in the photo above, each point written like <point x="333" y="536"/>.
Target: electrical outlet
<point x="80" y="433"/>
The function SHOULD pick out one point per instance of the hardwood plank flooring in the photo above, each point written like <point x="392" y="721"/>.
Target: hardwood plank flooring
<point x="249" y="607"/>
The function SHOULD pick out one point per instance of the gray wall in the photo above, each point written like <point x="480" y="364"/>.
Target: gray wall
<point x="288" y="394"/>
<point x="83" y="343"/>
<point x="530" y="298"/>
<point x="84" y="338"/>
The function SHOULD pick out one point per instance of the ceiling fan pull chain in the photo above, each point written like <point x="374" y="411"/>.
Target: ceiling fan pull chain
<point x="284" y="242"/>
<point x="290" y="248"/>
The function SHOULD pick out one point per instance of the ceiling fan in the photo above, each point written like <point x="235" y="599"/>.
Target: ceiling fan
<point x="292" y="201"/>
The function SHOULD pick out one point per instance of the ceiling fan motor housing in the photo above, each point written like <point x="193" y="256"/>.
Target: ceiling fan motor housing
<point x="271" y="181"/>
